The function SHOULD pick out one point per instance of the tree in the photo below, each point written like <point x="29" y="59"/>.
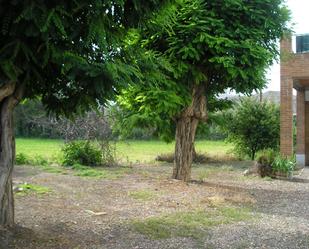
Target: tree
<point x="66" y="53"/>
<point x="205" y="48"/>
<point x="31" y="120"/>
<point x="252" y="126"/>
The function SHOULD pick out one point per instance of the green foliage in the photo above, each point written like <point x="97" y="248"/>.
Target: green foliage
<point x="121" y="129"/>
<point x="202" y="35"/>
<point x="31" y="120"/>
<point x="138" y="101"/>
<point x="283" y="165"/>
<point x="265" y="159"/>
<point x="189" y="224"/>
<point x="272" y="163"/>
<point x="212" y="129"/>
<point x="21" y="159"/>
<point x="218" y="44"/>
<point x="266" y="156"/>
<point x="81" y="152"/>
<point x="36" y="160"/>
<point x="68" y="52"/>
<point x="252" y="126"/>
<point x="40" y="160"/>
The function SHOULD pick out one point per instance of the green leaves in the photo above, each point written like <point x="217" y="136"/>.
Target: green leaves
<point x="231" y="42"/>
<point x="69" y="52"/>
<point x="221" y="44"/>
<point x="252" y="126"/>
<point x="9" y="70"/>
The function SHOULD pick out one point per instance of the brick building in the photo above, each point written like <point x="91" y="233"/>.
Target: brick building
<point x="295" y="75"/>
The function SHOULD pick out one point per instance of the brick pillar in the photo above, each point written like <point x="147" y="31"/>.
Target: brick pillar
<point x="286" y="116"/>
<point x="286" y="45"/>
<point x="286" y="99"/>
<point x="300" y="139"/>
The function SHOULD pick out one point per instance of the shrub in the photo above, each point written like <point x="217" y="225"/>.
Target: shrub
<point x="81" y="152"/>
<point x="39" y="160"/>
<point x="265" y="160"/>
<point x="21" y="159"/>
<point x="252" y="126"/>
<point x="283" y="165"/>
<point x="266" y="157"/>
<point x="108" y="152"/>
<point x="270" y="163"/>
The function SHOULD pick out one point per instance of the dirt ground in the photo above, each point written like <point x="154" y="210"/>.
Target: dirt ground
<point x="80" y="212"/>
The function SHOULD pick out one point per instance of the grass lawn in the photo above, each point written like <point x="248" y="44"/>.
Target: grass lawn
<point x="127" y="151"/>
<point x="146" y="151"/>
<point x="47" y="148"/>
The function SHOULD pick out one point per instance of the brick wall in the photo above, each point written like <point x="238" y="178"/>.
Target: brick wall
<point x="293" y="67"/>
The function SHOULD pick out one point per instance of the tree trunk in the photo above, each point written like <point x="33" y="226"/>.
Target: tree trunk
<point x="185" y="135"/>
<point x="186" y="125"/>
<point x="8" y="100"/>
<point x="194" y="153"/>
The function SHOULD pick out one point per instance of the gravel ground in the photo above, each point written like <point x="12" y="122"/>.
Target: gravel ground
<point x="67" y="216"/>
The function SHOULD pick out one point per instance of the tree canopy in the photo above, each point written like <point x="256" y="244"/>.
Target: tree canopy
<point x="205" y="48"/>
<point x="66" y="51"/>
<point x="220" y="44"/>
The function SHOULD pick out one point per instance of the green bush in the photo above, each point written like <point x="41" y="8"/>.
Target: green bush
<point x="39" y="160"/>
<point x="21" y="159"/>
<point x="265" y="159"/>
<point x="252" y="126"/>
<point x="272" y="163"/>
<point x="267" y="156"/>
<point x="283" y="165"/>
<point x="81" y="152"/>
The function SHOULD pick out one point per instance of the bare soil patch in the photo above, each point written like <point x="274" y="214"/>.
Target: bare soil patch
<point x="81" y="212"/>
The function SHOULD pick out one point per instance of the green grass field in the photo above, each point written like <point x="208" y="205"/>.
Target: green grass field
<point x="146" y="151"/>
<point x="47" y="148"/>
<point x="127" y="151"/>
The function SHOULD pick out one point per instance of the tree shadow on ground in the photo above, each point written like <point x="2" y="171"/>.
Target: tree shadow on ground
<point x="50" y="236"/>
<point x="291" y="203"/>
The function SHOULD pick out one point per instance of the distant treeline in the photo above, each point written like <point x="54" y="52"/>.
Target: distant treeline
<point x="31" y="120"/>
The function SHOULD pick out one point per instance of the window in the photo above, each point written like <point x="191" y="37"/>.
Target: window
<point x="302" y="43"/>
